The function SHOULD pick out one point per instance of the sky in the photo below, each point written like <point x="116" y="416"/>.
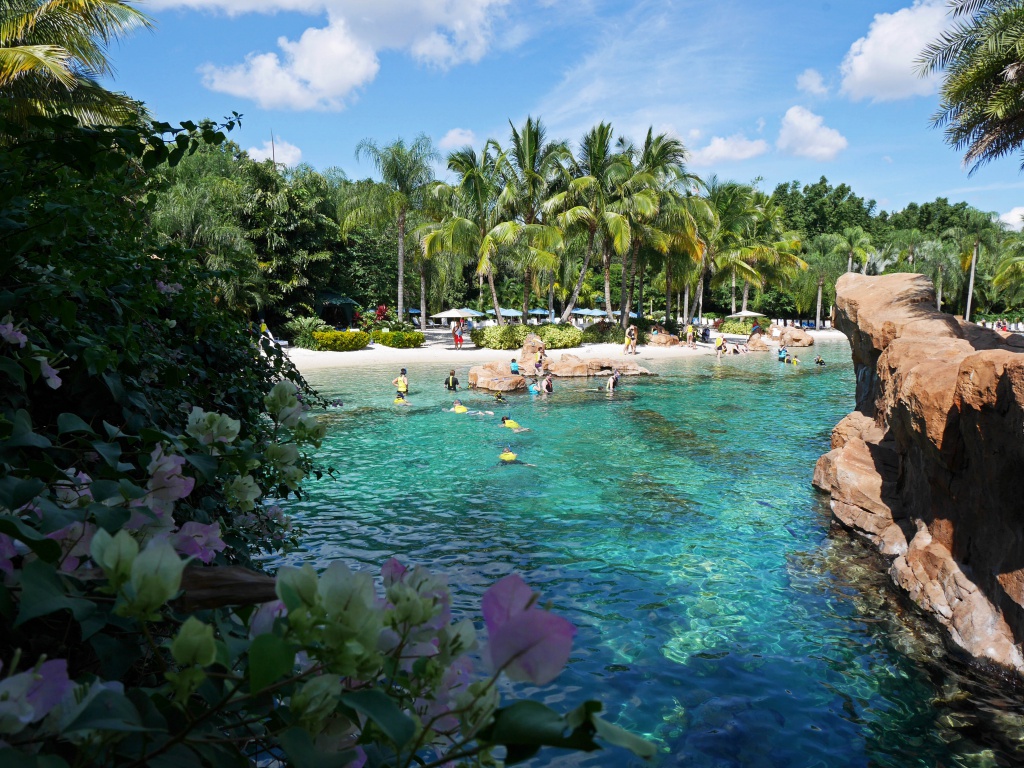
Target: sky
<point x="759" y="92"/>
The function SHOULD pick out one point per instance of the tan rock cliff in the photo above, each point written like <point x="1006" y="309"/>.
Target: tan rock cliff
<point x="930" y="466"/>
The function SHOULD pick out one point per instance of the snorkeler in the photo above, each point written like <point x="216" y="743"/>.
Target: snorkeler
<point x="818" y="360"/>
<point x="513" y="425"/>
<point x="499" y="398"/>
<point x="400" y="399"/>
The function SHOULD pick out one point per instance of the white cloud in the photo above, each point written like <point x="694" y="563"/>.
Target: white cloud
<point x="281" y="151"/>
<point x="723" y="150"/>
<point x="327" y="65"/>
<point x="1014" y="218"/>
<point x="457" y="138"/>
<point x="804" y="134"/>
<point x="810" y="81"/>
<point x="760" y="124"/>
<point x="881" y="66"/>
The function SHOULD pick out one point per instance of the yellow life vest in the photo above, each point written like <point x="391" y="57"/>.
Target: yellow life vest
<point x="507" y="456"/>
<point x="403" y="384"/>
<point x="460" y="409"/>
<point x="511" y="424"/>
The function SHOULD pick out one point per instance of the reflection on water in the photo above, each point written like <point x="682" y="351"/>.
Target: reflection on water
<point x="675" y="524"/>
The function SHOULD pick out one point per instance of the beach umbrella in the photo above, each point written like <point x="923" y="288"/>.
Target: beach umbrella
<point x="506" y="312"/>
<point x="471" y="312"/>
<point x="581" y="311"/>
<point x="747" y="313"/>
<point x="451" y="313"/>
<point x="617" y="312"/>
<point x="414" y="311"/>
<point x="538" y="312"/>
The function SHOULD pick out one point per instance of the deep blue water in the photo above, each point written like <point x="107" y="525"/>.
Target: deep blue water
<point x="676" y="526"/>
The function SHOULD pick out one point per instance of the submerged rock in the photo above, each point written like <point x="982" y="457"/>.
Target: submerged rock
<point x="927" y="466"/>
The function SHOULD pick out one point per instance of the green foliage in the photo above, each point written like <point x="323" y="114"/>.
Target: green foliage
<point x="340" y="341"/>
<point x="739" y="325"/>
<point x="604" y="333"/>
<point x="399" y="339"/>
<point x="301" y="331"/>
<point x="499" y="336"/>
<point x="557" y="336"/>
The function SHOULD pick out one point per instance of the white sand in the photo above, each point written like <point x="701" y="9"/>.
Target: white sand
<point x="442" y="350"/>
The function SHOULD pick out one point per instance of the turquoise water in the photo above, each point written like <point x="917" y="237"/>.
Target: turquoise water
<point x="675" y="525"/>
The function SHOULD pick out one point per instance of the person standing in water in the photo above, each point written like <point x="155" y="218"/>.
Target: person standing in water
<point x="548" y="386"/>
<point x="451" y="383"/>
<point x="401" y="383"/>
<point x="613" y="381"/>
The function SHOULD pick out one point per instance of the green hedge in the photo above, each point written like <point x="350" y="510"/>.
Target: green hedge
<point x="744" y="326"/>
<point x="604" y="333"/>
<point x="399" y="339"/>
<point x="553" y="335"/>
<point x="340" y="341"/>
<point x="301" y="331"/>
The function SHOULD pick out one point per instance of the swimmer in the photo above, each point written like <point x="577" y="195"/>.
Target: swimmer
<point x="548" y="386"/>
<point x="532" y="388"/>
<point x="338" y="403"/>
<point x="613" y="381"/>
<point x="400" y="399"/>
<point x="458" y="407"/>
<point x="401" y="383"/>
<point x="499" y="398"/>
<point x="796" y="360"/>
<point x="508" y="456"/>
<point x="783" y="353"/>
<point x="451" y="383"/>
<point x="818" y="360"/>
<point x="513" y="425"/>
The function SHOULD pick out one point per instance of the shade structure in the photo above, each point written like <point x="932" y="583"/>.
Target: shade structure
<point x="471" y="312"/>
<point x="539" y="312"/>
<point x="451" y="313"/>
<point x="747" y="313"/>
<point x="414" y="311"/>
<point x="617" y="312"/>
<point x="506" y="312"/>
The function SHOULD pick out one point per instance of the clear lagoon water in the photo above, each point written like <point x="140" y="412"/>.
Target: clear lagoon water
<point x="674" y="523"/>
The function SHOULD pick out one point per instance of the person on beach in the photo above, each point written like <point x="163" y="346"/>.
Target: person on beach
<point x="630" y="346"/>
<point x="458" y="335"/>
<point x="401" y="383"/>
<point x="451" y="383"/>
<point x="689" y="336"/>
<point x="720" y="346"/>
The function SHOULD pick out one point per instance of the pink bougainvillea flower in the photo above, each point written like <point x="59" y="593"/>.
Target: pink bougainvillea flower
<point x="199" y="541"/>
<point x="528" y="643"/>
<point x="12" y="336"/>
<point x="48" y="372"/>
<point x="263" y="619"/>
<point x="29" y="696"/>
<point x="392" y="571"/>
<point x="166" y="481"/>
<point x="74" y="540"/>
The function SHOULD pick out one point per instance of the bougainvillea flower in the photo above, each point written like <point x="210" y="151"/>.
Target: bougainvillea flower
<point x="199" y="541"/>
<point x="526" y="642"/>
<point x="29" y="696"/>
<point x="166" y="481"/>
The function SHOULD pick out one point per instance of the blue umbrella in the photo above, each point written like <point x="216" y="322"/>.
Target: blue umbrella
<point x="617" y="312"/>
<point x="538" y="312"/>
<point x="414" y="311"/>
<point x="467" y="312"/>
<point x="506" y="312"/>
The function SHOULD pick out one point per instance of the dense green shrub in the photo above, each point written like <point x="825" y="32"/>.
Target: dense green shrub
<point x="499" y="336"/>
<point x="399" y="339"/>
<point x="743" y="325"/>
<point x="604" y="332"/>
<point x="560" y="336"/>
<point x="340" y="341"/>
<point x="301" y="331"/>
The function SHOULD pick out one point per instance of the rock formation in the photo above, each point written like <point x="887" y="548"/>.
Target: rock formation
<point x="926" y="466"/>
<point x="569" y="366"/>
<point x="662" y="340"/>
<point x="756" y="343"/>
<point x="496" y="377"/>
<point x="791" y="337"/>
<point x="532" y="344"/>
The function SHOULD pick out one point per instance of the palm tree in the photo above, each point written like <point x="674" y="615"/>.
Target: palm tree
<point x="771" y="252"/>
<point x="907" y="241"/>
<point x="586" y="202"/>
<point x="406" y="172"/>
<point x="941" y="262"/>
<point x="855" y="244"/>
<point x="980" y="231"/>
<point x="982" y="95"/>
<point x="52" y="53"/>
<point x="1010" y="269"/>
<point x="530" y="168"/>
<point x="824" y="266"/>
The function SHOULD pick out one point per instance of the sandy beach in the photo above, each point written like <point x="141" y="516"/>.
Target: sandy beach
<point x="440" y="349"/>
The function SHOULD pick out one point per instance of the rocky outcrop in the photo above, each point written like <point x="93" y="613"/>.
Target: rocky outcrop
<point x="662" y="340"/>
<point x="532" y="344"/>
<point x="756" y="343"/>
<point x="569" y="366"/>
<point x="927" y="467"/>
<point x="496" y="377"/>
<point x="791" y="337"/>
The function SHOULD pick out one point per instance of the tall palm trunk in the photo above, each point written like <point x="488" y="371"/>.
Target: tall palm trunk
<point x="571" y="304"/>
<point x="551" y="296"/>
<point x="624" y="286"/>
<point x="938" y="291"/>
<point x="668" y="289"/>
<point x="607" y="263"/>
<point x="817" y="314"/>
<point x="970" y="287"/>
<point x="527" y="284"/>
<point x="642" y="271"/>
<point x="401" y="264"/>
<point x="628" y="304"/>
<point x="849" y="262"/>
<point x="746" y="291"/>
<point x="679" y="304"/>
<point x="494" y="296"/>
<point x="686" y="303"/>
<point x="423" y="295"/>
<point x="700" y="300"/>
<point x="734" y="291"/>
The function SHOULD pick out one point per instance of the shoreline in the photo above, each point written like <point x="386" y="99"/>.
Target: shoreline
<point x="310" y="360"/>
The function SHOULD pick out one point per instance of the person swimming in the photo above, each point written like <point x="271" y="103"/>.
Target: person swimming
<point x="548" y="386"/>
<point x="499" y="398"/>
<point x="818" y="360"/>
<point x="613" y="381"/>
<point x="458" y="407"/>
<point x="510" y="423"/>
<point x="533" y="388"/>
<point x="400" y="399"/>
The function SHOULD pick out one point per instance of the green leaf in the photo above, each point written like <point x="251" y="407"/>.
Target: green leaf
<point x="22" y="434"/>
<point x="206" y="465"/>
<point x="110" y="452"/>
<point x="14" y="758"/>
<point x="270" y="658"/>
<point x="70" y="422"/>
<point x="13" y="371"/>
<point x="110" y="519"/>
<point x="108" y="711"/>
<point x="16" y="493"/>
<point x="47" y="549"/>
<point x="103" y="490"/>
<point x="302" y="753"/>
<point x="384" y="711"/>
<point x="42" y="593"/>
<point x="525" y="726"/>
<point x="620" y="737"/>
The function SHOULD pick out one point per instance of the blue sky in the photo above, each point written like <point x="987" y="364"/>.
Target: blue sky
<point x="782" y="91"/>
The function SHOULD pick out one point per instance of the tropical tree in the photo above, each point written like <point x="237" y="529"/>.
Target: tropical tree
<point x="529" y="169"/>
<point x="406" y="172"/>
<point x="941" y="262"/>
<point x="855" y="244"/>
<point x="733" y="214"/>
<point x="1009" y="274"/>
<point x="824" y="266"/>
<point x="982" y="96"/>
<point x="770" y="250"/>
<point x="53" y="52"/>
<point x="907" y="241"/>
<point x="981" y="232"/>
<point x="586" y="202"/>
